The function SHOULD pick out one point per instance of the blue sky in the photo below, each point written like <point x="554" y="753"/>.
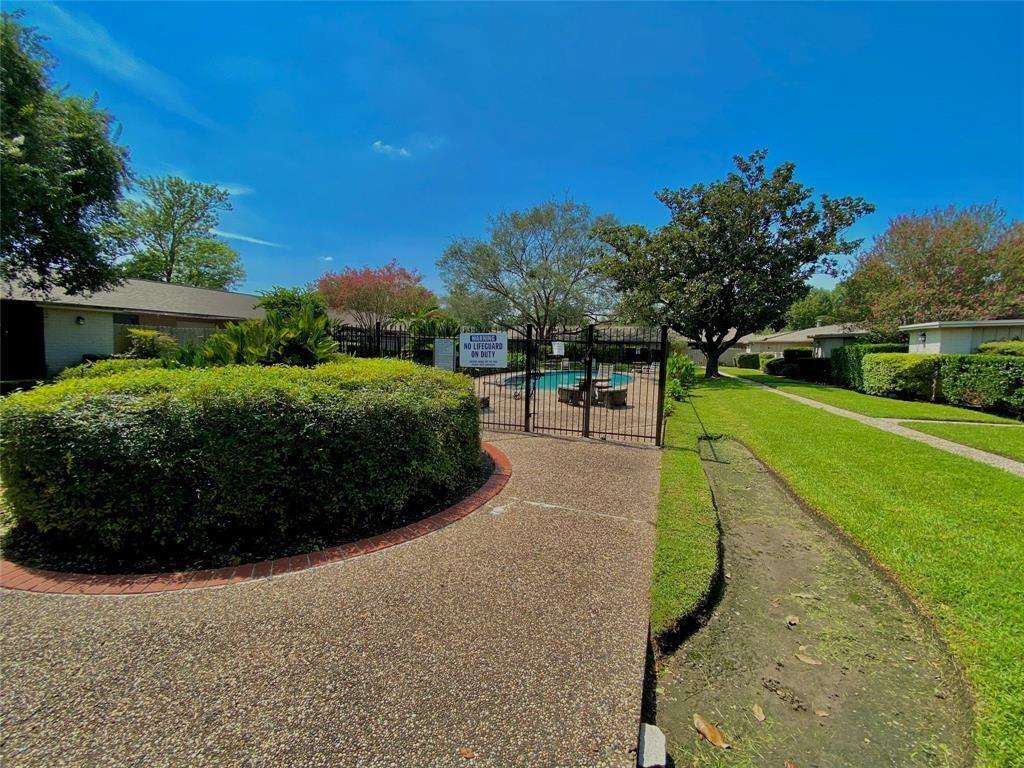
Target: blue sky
<point x="353" y="134"/>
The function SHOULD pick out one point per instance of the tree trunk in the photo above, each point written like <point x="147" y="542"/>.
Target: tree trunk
<point x="711" y="369"/>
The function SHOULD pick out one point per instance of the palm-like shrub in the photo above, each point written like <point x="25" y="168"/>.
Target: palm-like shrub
<point x="301" y="339"/>
<point x="682" y="375"/>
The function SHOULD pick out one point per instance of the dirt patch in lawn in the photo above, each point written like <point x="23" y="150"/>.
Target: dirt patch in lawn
<point x="811" y="638"/>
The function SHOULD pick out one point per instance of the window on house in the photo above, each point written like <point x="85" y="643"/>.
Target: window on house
<point x="126" y="319"/>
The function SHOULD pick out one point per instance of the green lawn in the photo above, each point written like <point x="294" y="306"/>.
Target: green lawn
<point x="868" y="405"/>
<point x="686" y="548"/>
<point x="950" y="528"/>
<point x="1006" y="441"/>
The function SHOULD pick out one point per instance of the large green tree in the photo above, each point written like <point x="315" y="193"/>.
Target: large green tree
<point x="539" y="264"/>
<point x="735" y="254"/>
<point x="819" y="305"/>
<point x="167" y="235"/>
<point x="948" y="264"/>
<point x="291" y="302"/>
<point x="476" y="310"/>
<point x="61" y="170"/>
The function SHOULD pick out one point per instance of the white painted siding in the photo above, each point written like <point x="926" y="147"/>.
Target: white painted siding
<point x="961" y="341"/>
<point x="66" y="341"/>
<point x="825" y="347"/>
<point x="932" y="343"/>
<point x="988" y="333"/>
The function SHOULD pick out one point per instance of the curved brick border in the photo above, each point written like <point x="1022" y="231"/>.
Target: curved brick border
<point x="18" y="577"/>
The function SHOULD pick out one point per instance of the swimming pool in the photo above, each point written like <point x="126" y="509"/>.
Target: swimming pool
<point x="553" y="379"/>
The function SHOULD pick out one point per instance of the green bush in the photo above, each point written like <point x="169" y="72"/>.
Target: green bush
<point x="847" y="361"/>
<point x="107" y="367"/>
<point x="145" y="344"/>
<point x="805" y="368"/>
<point x="1012" y="348"/>
<point x="991" y="381"/>
<point x="792" y="354"/>
<point x="177" y="468"/>
<point x="748" y="360"/>
<point x="817" y="369"/>
<point x="901" y="375"/>
<point x="779" y="366"/>
<point x="681" y="375"/>
<point x="764" y="358"/>
<point x="302" y="338"/>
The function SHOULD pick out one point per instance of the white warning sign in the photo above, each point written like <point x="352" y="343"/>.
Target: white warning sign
<point x="483" y="350"/>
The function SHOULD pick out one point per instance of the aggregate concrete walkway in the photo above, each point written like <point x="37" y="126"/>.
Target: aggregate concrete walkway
<point x="893" y="425"/>
<point x="516" y="636"/>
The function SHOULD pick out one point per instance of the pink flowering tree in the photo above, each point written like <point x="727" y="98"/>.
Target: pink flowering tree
<point x="372" y="295"/>
<point x="949" y="264"/>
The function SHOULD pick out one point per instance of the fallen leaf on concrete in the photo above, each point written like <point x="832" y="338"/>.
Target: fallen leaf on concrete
<point x="710" y="732"/>
<point x="821" y="713"/>
<point x="467" y="753"/>
<point x="758" y="713"/>
<point x="792" y="620"/>
<point x="808" y="660"/>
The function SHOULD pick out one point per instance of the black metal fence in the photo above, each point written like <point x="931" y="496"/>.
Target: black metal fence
<point x="602" y="382"/>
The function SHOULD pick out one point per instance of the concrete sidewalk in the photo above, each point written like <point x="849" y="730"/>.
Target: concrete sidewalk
<point x="516" y="636"/>
<point x="893" y="425"/>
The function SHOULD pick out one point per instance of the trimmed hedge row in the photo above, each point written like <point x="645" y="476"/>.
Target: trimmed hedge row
<point x="1012" y="348"/>
<point x="748" y="360"/>
<point x="989" y="382"/>
<point x="898" y="374"/>
<point x="805" y="368"/>
<point x="793" y="354"/>
<point x="846" y="362"/>
<point x="108" y="367"/>
<point x="154" y="469"/>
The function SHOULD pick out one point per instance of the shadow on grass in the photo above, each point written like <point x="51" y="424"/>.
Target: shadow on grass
<point x="670" y="638"/>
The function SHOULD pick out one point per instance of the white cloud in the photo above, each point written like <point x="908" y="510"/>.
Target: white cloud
<point x="236" y="189"/>
<point x="390" y="150"/>
<point x="89" y="40"/>
<point x="430" y="142"/>
<point x="326" y="258"/>
<point x="246" y="238"/>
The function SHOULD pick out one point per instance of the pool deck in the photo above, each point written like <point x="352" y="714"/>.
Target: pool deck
<point x="635" y="422"/>
<point x="515" y="636"/>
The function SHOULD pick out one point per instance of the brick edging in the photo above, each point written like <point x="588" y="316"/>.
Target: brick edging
<point x="17" y="577"/>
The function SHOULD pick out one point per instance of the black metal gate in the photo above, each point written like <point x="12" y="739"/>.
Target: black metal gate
<point x="602" y="382"/>
<point x="598" y="381"/>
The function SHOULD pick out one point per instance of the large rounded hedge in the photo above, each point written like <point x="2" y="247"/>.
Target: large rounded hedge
<point x="175" y="468"/>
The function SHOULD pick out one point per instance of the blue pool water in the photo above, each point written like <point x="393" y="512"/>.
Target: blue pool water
<point x="554" y="379"/>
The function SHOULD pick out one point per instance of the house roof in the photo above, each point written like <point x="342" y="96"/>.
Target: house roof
<point x="786" y="337"/>
<point x="840" y="331"/>
<point x="962" y="324"/>
<point x="153" y="297"/>
<point x="808" y="335"/>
